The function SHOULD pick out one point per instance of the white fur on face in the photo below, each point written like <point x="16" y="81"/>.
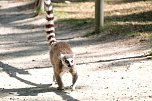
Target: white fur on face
<point x="67" y="60"/>
<point x="71" y="61"/>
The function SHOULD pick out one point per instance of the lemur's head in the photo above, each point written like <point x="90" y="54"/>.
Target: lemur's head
<point x="68" y="60"/>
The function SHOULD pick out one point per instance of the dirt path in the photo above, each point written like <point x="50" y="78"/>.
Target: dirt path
<point x="108" y="70"/>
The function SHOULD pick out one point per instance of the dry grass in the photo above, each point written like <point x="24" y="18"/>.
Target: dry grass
<point x="122" y="20"/>
<point x="131" y="19"/>
<point x="77" y="10"/>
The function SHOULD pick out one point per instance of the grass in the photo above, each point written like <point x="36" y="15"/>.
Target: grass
<point x="75" y="10"/>
<point x="74" y="15"/>
<point x="122" y="20"/>
<point x="131" y="18"/>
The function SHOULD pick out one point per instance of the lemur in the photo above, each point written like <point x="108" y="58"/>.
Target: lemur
<point x="61" y="54"/>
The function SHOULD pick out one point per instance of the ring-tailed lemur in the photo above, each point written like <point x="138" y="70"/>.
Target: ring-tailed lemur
<point x="61" y="55"/>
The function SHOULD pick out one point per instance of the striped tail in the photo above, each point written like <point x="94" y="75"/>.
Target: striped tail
<point x="50" y="28"/>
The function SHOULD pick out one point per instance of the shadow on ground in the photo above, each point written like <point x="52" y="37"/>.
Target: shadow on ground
<point x="29" y="91"/>
<point x="121" y="61"/>
<point x="34" y="91"/>
<point x="16" y="13"/>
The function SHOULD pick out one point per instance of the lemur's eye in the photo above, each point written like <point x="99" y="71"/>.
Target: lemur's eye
<point x="71" y="61"/>
<point x="66" y="61"/>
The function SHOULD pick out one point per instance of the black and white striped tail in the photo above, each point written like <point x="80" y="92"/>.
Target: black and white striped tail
<point x="50" y="28"/>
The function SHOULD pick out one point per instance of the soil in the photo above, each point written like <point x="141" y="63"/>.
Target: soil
<point x="112" y="70"/>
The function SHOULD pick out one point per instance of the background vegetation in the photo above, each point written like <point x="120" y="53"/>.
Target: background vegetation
<point x="123" y="19"/>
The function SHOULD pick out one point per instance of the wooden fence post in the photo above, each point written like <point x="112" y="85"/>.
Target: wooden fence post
<point x="99" y="15"/>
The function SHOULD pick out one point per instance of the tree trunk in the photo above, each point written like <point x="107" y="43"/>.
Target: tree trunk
<point x="99" y="15"/>
<point x="39" y="7"/>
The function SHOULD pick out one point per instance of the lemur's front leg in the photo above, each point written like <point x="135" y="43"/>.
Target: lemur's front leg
<point x="74" y="78"/>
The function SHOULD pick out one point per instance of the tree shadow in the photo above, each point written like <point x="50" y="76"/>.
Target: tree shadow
<point x="34" y="91"/>
<point x="15" y="17"/>
<point x="27" y="43"/>
<point x="148" y="56"/>
<point x="29" y="91"/>
<point x="24" y="7"/>
<point x="16" y="13"/>
<point x="21" y="39"/>
<point x="12" y="72"/>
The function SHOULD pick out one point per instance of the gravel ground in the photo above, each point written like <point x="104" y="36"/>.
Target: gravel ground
<point x="108" y="70"/>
